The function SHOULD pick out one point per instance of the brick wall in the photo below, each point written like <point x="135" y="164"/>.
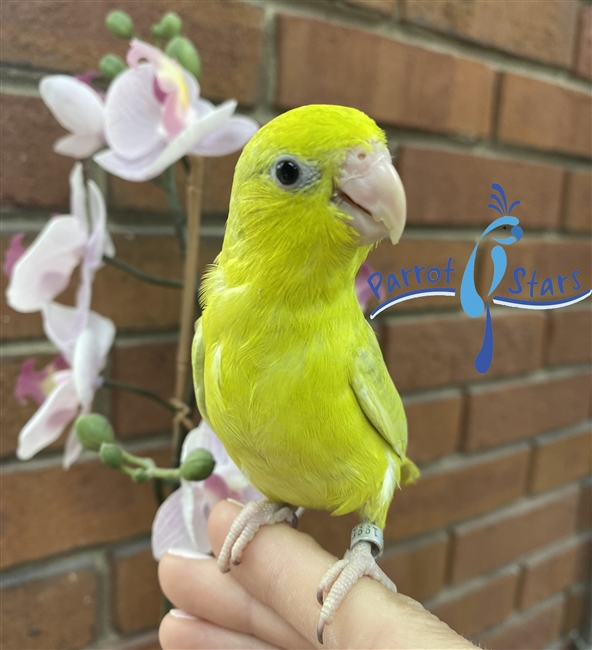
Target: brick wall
<point x="495" y="537"/>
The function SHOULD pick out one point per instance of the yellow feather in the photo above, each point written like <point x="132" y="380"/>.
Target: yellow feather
<point x="285" y="364"/>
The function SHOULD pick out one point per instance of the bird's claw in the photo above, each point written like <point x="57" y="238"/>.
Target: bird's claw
<point x="245" y="526"/>
<point x="342" y="576"/>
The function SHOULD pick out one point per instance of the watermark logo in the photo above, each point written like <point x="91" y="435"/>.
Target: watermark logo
<point x="505" y="231"/>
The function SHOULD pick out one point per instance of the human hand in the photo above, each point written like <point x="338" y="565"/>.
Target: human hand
<point x="269" y="600"/>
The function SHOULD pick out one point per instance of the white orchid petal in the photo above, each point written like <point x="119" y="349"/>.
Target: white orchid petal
<point x="62" y="326"/>
<point x="188" y="138"/>
<point x="44" y="270"/>
<point x="99" y="242"/>
<point x="79" y="145"/>
<point x="74" y="104"/>
<point x="78" y="196"/>
<point x="231" y="136"/>
<point x="187" y="508"/>
<point x="46" y="426"/>
<point x="130" y="170"/>
<point x="169" y="529"/>
<point x="133" y="114"/>
<point x="72" y="451"/>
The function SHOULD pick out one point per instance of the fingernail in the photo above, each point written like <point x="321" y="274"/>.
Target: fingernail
<point x="189" y="555"/>
<point x="238" y="503"/>
<point x="179" y="613"/>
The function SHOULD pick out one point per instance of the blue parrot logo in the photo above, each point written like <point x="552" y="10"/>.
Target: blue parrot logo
<point x="471" y="302"/>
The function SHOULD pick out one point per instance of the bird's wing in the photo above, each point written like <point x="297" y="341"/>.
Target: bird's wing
<point x="378" y="397"/>
<point x="198" y="354"/>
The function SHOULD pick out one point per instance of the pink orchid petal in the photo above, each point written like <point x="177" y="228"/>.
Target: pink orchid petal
<point x="79" y="145"/>
<point x="133" y="114"/>
<point x="72" y="450"/>
<point x="130" y="170"/>
<point x="44" y="270"/>
<point x="90" y="356"/>
<point x="231" y="136"/>
<point x="13" y="253"/>
<point x="74" y="104"/>
<point x="29" y="383"/>
<point x="46" y="426"/>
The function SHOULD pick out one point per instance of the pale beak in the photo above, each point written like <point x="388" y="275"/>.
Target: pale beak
<point x="370" y="191"/>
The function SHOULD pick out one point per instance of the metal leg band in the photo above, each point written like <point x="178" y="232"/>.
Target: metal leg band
<point x="368" y="533"/>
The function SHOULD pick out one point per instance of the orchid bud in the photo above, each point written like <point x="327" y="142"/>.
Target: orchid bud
<point x="93" y="430"/>
<point x="111" y="455"/>
<point x="140" y="475"/>
<point x="111" y="65"/>
<point x="183" y="50"/>
<point x="120" y="24"/>
<point x="157" y="31"/>
<point x="198" y="465"/>
<point x="171" y="25"/>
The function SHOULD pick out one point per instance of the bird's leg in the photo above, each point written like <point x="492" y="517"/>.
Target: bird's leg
<point x="252" y="517"/>
<point x="366" y="545"/>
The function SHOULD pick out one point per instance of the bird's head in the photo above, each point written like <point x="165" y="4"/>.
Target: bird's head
<point x="316" y="179"/>
<point x="505" y="230"/>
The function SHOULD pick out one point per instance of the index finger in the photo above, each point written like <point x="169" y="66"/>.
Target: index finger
<point x="283" y="568"/>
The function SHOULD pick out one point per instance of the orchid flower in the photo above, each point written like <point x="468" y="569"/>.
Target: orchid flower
<point x="79" y="109"/>
<point x="181" y="521"/>
<point x="362" y="288"/>
<point x="73" y="389"/>
<point x="44" y="270"/>
<point x="37" y="384"/>
<point x="154" y="116"/>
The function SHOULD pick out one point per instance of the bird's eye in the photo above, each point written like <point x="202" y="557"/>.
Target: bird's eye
<point x="504" y="228"/>
<point x="287" y="172"/>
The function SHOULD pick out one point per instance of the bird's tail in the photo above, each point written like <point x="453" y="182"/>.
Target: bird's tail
<point x="409" y="472"/>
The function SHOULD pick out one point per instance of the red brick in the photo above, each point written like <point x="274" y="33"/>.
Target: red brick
<point x="425" y="352"/>
<point x="136" y="596"/>
<point x="561" y="459"/>
<point x="151" y="366"/>
<point x="419" y="251"/>
<point x="148" y="197"/>
<point x="583" y="61"/>
<point x="480" y="608"/>
<point x="88" y="504"/>
<point x="460" y="185"/>
<point x="417" y="568"/>
<point x="452" y="494"/>
<point x="578" y="209"/>
<point x="434" y="425"/>
<point x="554" y="571"/>
<point x="575" y="608"/>
<point x="533" y="631"/>
<point x="538" y="30"/>
<point x="32" y="175"/>
<point x="13" y="414"/>
<point x="71" y="37"/>
<point x="569" y="336"/>
<point x="545" y="116"/>
<point x="385" y="7"/>
<point x="585" y="508"/>
<point x="519" y="409"/>
<point x="394" y="82"/>
<point x="54" y="612"/>
<point x="499" y="538"/>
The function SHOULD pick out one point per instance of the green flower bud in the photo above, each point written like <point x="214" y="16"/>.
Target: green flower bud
<point x="111" y="65"/>
<point x="120" y="24"/>
<point x="93" y="430"/>
<point x="183" y="50"/>
<point x="198" y="465"/>
<point x="157" y="31"/>
<point x="140" y="475"/>
<point x="171" y="25"/>
<point x="111" y="455"/>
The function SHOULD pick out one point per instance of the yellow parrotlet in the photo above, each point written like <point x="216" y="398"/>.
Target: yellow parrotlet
<point x="287" y="370"/>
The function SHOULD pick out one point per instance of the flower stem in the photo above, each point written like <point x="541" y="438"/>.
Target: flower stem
<point x="178" y="212"/>
<point x="142" y="275"/>
<point x="132" y="388"/>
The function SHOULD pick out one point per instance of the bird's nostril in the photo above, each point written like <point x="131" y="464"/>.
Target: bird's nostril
<point x="362" y="156"/>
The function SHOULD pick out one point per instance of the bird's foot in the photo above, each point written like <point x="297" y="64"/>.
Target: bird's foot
<point x="245" y="526"/>
<point x="342" y="576"/>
